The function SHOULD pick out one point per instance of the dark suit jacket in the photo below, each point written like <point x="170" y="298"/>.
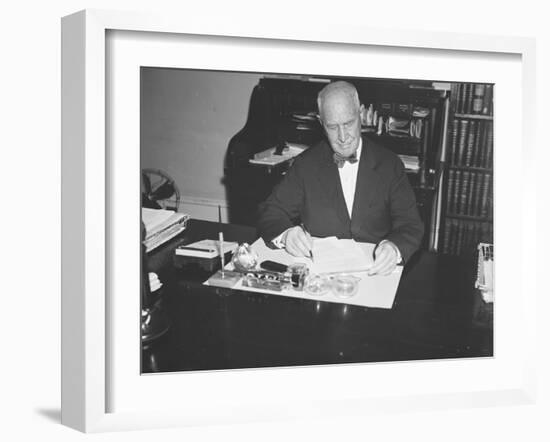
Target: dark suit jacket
<point x="384" y="205"/>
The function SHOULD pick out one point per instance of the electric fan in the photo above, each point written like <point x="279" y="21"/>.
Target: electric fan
<point x="158" y="190"/>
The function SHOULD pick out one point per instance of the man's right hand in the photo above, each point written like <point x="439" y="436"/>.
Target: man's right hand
<point x="297" y="242"/>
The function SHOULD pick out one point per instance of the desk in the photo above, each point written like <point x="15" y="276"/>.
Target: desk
<point x="216" y="328"/>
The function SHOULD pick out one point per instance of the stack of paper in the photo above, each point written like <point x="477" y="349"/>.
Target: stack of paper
<point x="333" y="255"/>
<point x="410" y="162"/>
<point x="484" y="280"/>
<point x="161" y="225"/>
<point x="269" y="158"/>
<point x="206" y="248"/>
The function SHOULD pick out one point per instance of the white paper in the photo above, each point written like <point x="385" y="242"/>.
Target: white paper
<point x="374" y="291"/>
<point x="332" y="255"/>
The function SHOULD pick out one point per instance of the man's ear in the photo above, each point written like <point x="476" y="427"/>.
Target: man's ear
<point x="362" y="113"/>
<point x="320" y="120"/>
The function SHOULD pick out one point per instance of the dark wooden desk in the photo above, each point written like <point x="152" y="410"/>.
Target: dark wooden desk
<point x="215" y="328"/>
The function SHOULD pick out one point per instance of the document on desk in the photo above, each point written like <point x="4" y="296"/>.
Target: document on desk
<point x="332" y="255"/>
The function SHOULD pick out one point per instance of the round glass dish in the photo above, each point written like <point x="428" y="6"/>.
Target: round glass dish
<point x="345" y="285"/>
<point x="317" y="285"/>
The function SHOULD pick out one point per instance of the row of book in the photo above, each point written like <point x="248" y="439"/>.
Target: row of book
<point x="472" y="98"/>
<point x="462" y="236"/>
<point x="469" y="193"/>
<point x="471" y="143"/>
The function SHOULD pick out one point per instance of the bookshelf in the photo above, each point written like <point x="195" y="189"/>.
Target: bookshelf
<point x="467" y="185"/>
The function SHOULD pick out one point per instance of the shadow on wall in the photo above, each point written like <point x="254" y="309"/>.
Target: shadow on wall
<point x="242" y="195"/>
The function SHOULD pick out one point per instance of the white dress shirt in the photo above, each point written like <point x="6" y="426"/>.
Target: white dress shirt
<point x="348" y="178"/>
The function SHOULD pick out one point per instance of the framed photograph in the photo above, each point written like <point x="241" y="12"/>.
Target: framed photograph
<point x="132" y="83"/>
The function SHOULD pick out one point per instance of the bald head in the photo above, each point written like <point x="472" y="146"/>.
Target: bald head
<point x="340" y="113"/>
<point x="337" y="91"/>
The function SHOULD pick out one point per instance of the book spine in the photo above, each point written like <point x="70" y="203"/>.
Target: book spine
<point x="469" y="98"/>
<point x="464" y="193"/>
<point x="450" y="188"/>
<point x="487" y="105"/>
<point x="476" y="160"/>
<point x="485" y="197"/>
<point x="462" y="98"/>
<point x="455" y="97"/>
<point x="477" y="104"/>
<point x="472" y="129"/>
<point x="456" y="191"/>
<point x="483" y="146"/>
<point x="458" y="97"/>
<point x="454" y="139"/>
<point x="463" y="134"/>
<point x="479" y="195"/>
<point x="471" y="193"/>
<point x="489" y="147"/>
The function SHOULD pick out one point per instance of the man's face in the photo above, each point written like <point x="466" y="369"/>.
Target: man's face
<point x="342" y="123"/>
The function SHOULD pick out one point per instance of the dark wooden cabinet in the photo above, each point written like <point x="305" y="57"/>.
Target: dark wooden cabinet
<point x="276" y="101"/>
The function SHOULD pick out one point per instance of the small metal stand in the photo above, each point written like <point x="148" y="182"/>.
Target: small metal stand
<point x="154" y="320"/>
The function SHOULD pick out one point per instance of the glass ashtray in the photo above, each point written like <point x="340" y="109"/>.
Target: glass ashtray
<point x="345" y="285"/>
<point x="317" y="285"/>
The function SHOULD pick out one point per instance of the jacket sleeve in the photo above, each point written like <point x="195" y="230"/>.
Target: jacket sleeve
<point x="407" y="228"/>
<point x="284" y="206"/>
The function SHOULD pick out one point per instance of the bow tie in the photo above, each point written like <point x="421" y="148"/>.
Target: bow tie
<point x="340" y="159"/>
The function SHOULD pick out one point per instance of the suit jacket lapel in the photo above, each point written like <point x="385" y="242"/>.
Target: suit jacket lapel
<point x="329" y="182"/>
<point x="367" y="181"/>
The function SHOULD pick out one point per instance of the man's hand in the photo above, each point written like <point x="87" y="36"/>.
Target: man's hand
<point x="297" y="242"/>
<point x="385" y="259"/>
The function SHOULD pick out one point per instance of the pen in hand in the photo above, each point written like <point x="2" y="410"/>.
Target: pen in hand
<point x="307" y="233"/>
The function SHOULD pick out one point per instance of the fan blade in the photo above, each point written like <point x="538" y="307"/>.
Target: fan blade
<point x="164" y="191"/>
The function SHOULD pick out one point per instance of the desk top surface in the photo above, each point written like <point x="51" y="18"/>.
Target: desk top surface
<point x="216" y="328"/>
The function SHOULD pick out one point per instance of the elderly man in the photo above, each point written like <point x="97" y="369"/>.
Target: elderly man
<point x="347" y="186"/>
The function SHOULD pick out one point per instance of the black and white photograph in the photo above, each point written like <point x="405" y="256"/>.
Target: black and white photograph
<point x="245" y="221"/>
<point x="306" y="219"/>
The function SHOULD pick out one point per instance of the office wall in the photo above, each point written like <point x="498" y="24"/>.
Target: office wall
<point x="187" y="120"/>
